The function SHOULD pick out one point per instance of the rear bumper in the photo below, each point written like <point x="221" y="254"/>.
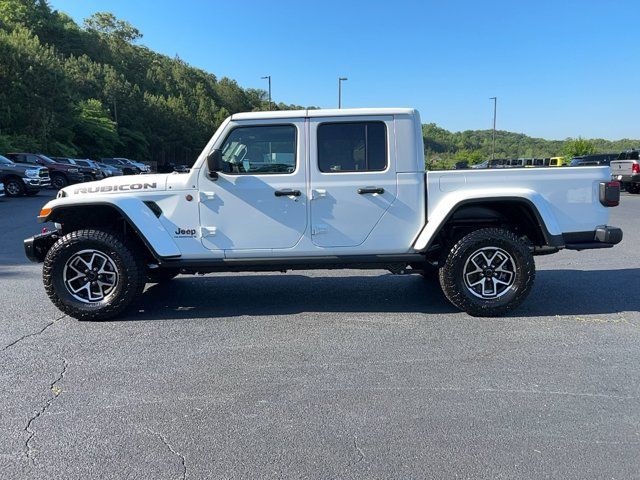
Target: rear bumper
<point x="602" y="237"/>
<point x="36" y="247"/>
<point x="634" y="178"/>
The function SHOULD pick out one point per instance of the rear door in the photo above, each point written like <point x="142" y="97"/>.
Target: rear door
<point x="352" y="177"/>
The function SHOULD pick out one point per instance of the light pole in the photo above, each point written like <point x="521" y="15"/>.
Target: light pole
<point x="340" y="80"/>
<point x="268" y="77"/>
<point x="495" y="105"/>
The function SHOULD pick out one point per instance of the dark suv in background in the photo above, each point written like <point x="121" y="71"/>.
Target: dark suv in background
<point x="126" y="167"/>
<point x="90" y="173"/>
<point x="593" y="160"/>
<point x="61" y="174"/>
<point x="20" y="179"/>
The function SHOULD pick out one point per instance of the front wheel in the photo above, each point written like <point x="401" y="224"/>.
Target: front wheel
<point x="92" y="275"/>
<point x="59" y="181"/>
<point x="488" y="272"/>
<point x="14" y="187"/>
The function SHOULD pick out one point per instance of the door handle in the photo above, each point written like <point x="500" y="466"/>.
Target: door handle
<point x="364" y="190"/>
<point x="287" y="192"/>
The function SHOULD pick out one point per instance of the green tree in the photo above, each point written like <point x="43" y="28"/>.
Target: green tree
<point x="96" y="133"/>
<point x="106" y="23"/>
<point x="574" y="147"/>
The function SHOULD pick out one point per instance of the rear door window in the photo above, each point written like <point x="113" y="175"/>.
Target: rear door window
<point x="352" y="147"/>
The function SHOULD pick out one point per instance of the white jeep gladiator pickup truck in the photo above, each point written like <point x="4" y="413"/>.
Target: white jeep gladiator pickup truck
<point x="319" y="189"/>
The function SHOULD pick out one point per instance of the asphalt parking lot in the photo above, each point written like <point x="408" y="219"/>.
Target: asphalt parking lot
<point x="324" y="374"/>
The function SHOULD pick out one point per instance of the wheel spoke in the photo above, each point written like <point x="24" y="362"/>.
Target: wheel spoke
<point x="489" y="272"/>
<point x="90" y="276"/>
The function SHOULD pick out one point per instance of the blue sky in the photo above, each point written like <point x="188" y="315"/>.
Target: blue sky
<point x="559" y="68"/>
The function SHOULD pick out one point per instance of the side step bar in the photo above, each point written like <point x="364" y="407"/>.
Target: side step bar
<point x="270" y="264"/>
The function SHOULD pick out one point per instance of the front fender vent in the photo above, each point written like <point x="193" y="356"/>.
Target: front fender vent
<point x="153" y="206"/>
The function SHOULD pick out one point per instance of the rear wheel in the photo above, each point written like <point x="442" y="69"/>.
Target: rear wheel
<point x="633" y="188"/>
<point x="14" y="187"/>
<point x="488" y="272"/>
<point x="92" y="275"/>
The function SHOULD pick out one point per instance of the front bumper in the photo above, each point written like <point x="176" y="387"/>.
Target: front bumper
<point x="36" y="247"/>
<point x="32" y="183"/>
<point x="602" y="237"/>
<point x="76" y="178"/>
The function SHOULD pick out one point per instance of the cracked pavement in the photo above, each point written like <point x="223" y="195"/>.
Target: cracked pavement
<point x="326" y="374"/>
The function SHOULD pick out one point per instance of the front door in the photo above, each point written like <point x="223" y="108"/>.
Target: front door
<point x="260" y="200"/>
<point x="353" y="177"/>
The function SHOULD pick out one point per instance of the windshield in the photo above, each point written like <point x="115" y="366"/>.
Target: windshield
<point x="46" y="159"/>
<point x="5" y="161"/>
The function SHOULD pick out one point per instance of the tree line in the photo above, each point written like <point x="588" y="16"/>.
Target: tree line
<point x="444" y="148"/>
<point x="92" y="91"/>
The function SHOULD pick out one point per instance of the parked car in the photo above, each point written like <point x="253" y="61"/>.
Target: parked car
<point x="126" y="167"/>
<point x="106" y="170"/>
<point x="22" y="179"/>
<point x="90" y="174"/>
<point x="173" y="167"/>
<point x="593" y="160"/>
<point x="626" y="169"/>
<point x="359" y="197"/>
<point x="139" y="167"/>
<point x="555" y="162"/>
<point x="61" y="174"/>
<point x="110" y="170"/>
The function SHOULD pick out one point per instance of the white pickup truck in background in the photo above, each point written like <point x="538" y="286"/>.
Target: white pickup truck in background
<point x="626" y="169"/>
<point x="316" y="189"/>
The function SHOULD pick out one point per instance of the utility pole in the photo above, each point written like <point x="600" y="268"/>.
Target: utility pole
<point x="268" y="77"/>
<point x="340" y="80"/>
<point x="495" y="104"/>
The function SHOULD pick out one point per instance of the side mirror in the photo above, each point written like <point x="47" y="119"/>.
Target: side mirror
<point x="215" y="163"/>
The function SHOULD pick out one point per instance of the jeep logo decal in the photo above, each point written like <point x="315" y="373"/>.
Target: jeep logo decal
<point x="116" y="188"/>
<point x="185" y="232"/>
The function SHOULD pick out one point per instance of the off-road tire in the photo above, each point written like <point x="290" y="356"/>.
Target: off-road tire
<point x="14" y="187"/>
<point x="452" y="279"/>
<point x="161" y="275"/>
<point x="59" y="181"/>
<point x="131" y="274"/>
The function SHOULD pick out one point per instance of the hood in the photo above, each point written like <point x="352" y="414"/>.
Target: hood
<point x="26" y="166"/>
<point x="114" y="185"/>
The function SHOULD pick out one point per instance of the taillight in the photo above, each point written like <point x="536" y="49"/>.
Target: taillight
<point x="635" y="168"/>
<point x="610" y="194"/>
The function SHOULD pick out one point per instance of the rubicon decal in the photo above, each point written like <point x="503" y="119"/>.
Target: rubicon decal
<point x="116" y="188"/>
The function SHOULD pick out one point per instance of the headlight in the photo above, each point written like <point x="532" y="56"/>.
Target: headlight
<point x="32" y="172"/>
<point x="73" y="170"/>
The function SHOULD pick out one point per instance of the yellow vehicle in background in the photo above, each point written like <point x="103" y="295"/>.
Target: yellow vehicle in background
<point x="556" y="162"/>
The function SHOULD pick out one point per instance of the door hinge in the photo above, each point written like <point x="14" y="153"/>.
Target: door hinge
<point x="318" y="229"/>
<point x="204" y="196"/>
<point x="208" y="231"/>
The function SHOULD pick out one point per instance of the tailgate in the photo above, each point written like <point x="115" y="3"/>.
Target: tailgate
<point x="622" y="167"/>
